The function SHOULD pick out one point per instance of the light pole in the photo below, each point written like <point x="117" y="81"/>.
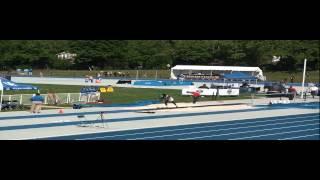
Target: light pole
<point x="303" y="78"/>
<point x="139" y="68"/>
<point x="168" y="66"/>
<point x="1" y="89"/>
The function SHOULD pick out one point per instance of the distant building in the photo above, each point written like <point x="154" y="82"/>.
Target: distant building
<point x="66" y="56"/>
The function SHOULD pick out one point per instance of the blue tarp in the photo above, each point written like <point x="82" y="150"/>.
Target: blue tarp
<point x="239" y="75"/>
<point x="89" y="89"/>
<point x="9" y="85"/>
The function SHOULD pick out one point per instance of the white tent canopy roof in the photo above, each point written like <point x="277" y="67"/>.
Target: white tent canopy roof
<point x="257" y="70"/>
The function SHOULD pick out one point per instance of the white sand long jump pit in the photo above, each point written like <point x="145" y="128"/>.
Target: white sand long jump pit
<point x="208" y="108"/>
<point x="190" y="107"/>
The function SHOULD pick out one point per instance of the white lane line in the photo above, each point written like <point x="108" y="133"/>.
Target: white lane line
<point x="289" y="132"/>
<point x="243" y="132"/>
<point x="311" y="135"/>
<point x="193" y="128"/>
<point x="217" y="130"/>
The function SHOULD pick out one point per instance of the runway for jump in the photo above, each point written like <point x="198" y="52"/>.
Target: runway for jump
<point x="296" y="127"/>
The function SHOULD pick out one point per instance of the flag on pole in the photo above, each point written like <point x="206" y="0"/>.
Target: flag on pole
<point x="1" y="89"/>
<point x="1" y="86"/>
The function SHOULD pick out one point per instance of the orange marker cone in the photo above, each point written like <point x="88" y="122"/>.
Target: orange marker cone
<point x="61" y="111"/>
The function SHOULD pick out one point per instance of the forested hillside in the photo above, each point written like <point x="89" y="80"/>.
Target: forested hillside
<point x="156" y="54"/>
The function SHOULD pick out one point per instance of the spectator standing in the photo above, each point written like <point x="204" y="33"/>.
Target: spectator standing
<point x="314" y="89"/>
<point x="86" y="80"/>
<point x="91" y="79"/>
<point x="293" y="93"/>
<point x="292" y="78"/>
<point x="204" y="86"/>
<point x="37" y="102"/>
<point x="217" y="93"/>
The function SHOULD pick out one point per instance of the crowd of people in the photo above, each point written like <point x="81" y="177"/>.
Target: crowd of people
<point x="99" y="75"/>
<point x="116" y="74"/>
<point x="91" y="79"/>
<point x="198" y="76"/>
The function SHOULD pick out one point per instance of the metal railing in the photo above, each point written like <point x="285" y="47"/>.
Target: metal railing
<point x="61" y="98"/>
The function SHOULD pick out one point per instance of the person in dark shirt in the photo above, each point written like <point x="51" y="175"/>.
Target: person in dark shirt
<point x="217" y="94"/>
<point x="291" y="78"/>
<point x="293" y="92"/>
<point x="168" y="99"/>
<point x="37" y="102"/>
<point x="204" y="86"/>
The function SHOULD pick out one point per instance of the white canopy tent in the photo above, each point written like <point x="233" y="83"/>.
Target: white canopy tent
<point x="189" y="69"/>
<point x="9" y="85"/>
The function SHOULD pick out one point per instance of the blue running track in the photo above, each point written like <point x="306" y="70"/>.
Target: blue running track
<point x="295" y="127"/>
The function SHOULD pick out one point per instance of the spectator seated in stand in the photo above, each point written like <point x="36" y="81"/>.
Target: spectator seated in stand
<point x="181" y="77"/>
<point x="204" y="86"/>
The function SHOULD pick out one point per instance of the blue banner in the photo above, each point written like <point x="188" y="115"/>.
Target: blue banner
<point x="9" y="85"/>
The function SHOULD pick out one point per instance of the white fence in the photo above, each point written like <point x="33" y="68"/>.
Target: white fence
<point x="61" y="98"/>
